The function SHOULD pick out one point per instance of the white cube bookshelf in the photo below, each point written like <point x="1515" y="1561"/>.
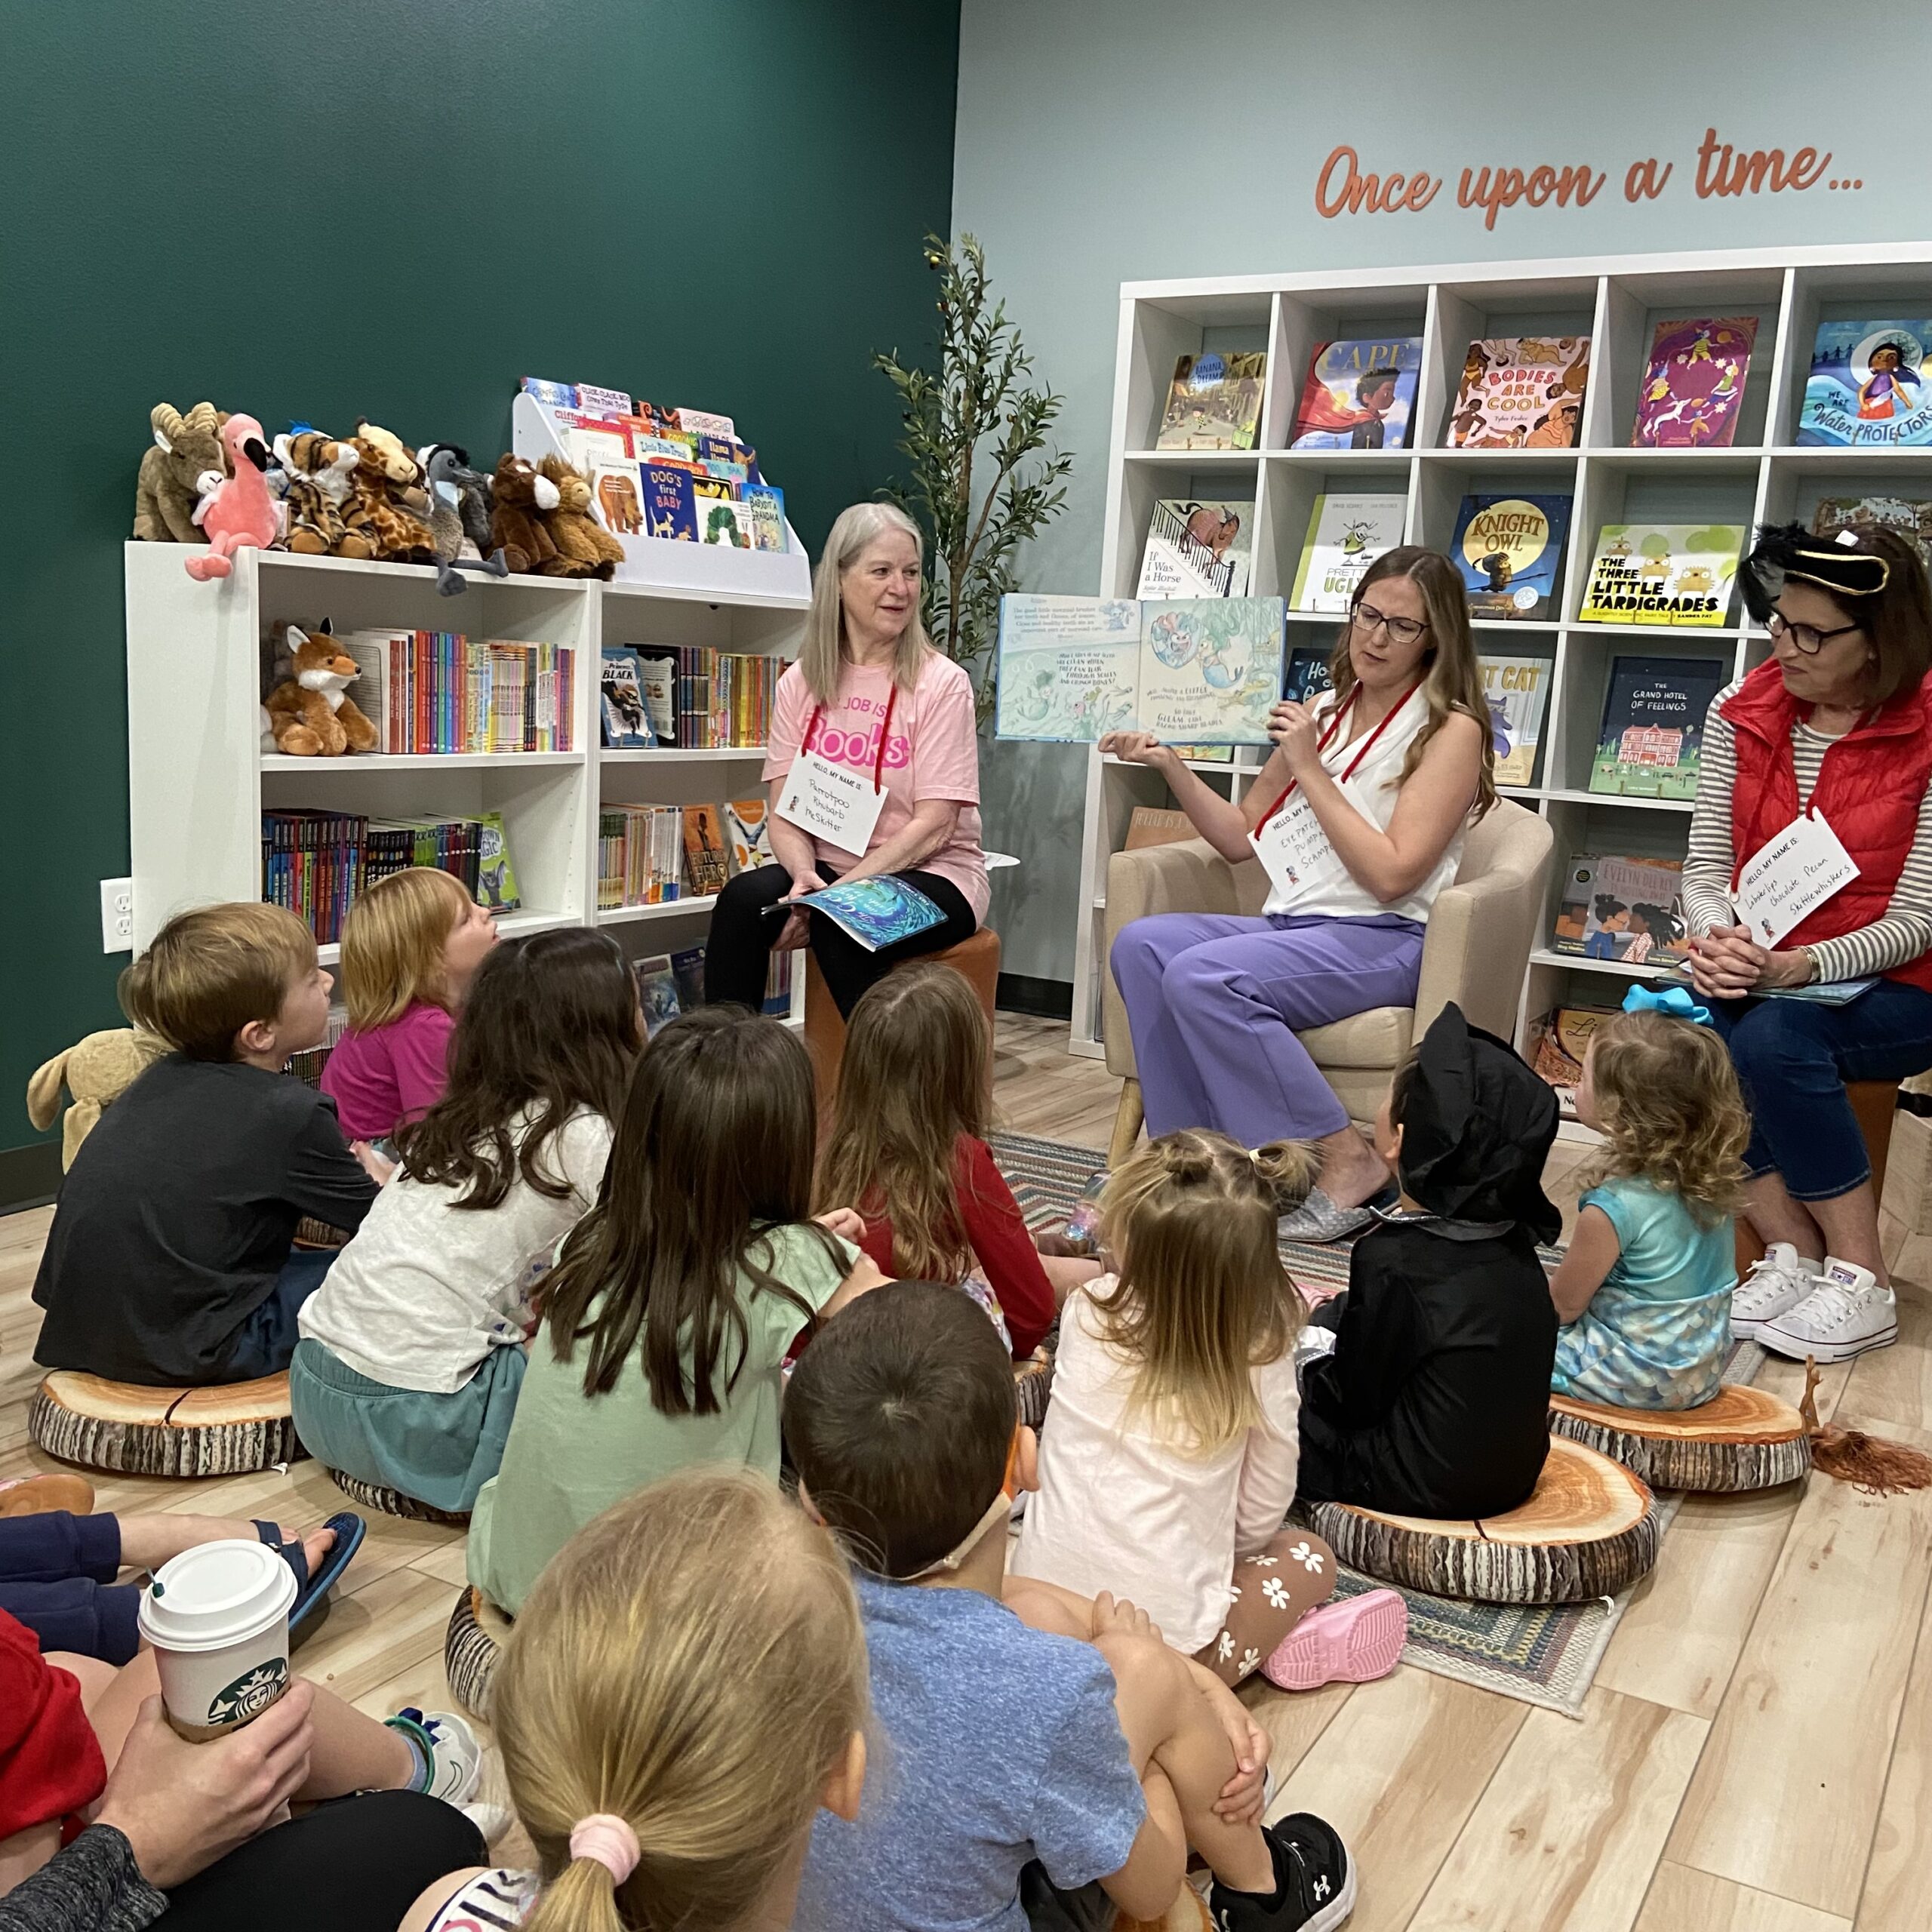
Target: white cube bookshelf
<point x="1617" y="301"/>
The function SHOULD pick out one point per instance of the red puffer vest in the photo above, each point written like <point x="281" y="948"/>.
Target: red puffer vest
<point x="1870" y="786"/>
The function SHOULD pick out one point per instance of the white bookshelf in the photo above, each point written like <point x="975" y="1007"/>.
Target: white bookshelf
<point x="199" y="780"/>
<point x="1617" y="301"/>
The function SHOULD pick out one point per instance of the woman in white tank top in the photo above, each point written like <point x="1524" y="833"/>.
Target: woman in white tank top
<point x="1359" y="816"/>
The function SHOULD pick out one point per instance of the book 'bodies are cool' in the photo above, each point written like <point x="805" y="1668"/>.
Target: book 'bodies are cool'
<point x="1196" y="549"/>
<point x="1517" y="689"/>
<point x="1626" y="910"/>
<point x="1509" y="549"/>
<point x="1908" y="517"/>
<point x="1663" y="574"/>
<point x="1868" y="386"/>
<point x="876" y="912"/>
<point x="1522" y="391"/>
<point x="1651" y="742"/>
<point x="1215" y="403"/>
<point x="1693" y="382"/>
<point x="1201" y="670"/>
<point x="1360" y="394"/>
<point x="1345" y="534"/>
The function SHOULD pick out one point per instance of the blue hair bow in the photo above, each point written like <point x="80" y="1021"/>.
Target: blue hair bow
<point x="1673" y="1003"/>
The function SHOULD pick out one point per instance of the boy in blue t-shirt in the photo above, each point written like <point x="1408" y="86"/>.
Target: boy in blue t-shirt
<point x="1008" y="1741"/>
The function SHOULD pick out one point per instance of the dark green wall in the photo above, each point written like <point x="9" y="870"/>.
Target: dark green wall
<point x="394" y="210"/>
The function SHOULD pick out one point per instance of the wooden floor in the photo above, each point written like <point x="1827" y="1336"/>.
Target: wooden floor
<point x="1756" y="1755"/>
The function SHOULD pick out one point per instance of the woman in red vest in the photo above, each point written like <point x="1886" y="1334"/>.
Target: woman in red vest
<point x="1826" y="744"/>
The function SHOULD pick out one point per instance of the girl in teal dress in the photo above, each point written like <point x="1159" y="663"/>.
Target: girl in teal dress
<point x="1644" y="1291"/>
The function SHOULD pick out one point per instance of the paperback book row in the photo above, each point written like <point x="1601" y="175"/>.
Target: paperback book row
<point x="1867" y="388"/>
<point x="671" y="984"/>
<point x="680" y="474"/>
<point x="428" y="692"/>
<point x="651" y="855"/>
<point x="315" y="863"/>
<point x="688" y="696"/>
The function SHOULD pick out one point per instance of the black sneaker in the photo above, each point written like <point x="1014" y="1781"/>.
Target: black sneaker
<point x="1314" y="1882"/>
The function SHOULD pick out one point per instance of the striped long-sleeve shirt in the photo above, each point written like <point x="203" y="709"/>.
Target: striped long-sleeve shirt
<point x="1902" y="934"/>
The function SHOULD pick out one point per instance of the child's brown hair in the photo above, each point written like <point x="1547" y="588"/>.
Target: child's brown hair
<point x="1671" y="1110"/>
<point x="392" y="944"/>
<point x="692" y="1662"/>
<point x="1201" y="1300"/>
<point x="208" y="973"/>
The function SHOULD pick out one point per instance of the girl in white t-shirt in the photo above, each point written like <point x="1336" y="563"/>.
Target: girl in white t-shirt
<point x="411" y="1353"/>
<point x="1167" y="1457"/>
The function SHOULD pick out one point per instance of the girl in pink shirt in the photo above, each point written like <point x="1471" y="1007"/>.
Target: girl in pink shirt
<point x="410" y="946"/>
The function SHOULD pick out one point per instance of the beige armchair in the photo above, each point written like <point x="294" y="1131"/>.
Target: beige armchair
<point x="1480" y="937"/>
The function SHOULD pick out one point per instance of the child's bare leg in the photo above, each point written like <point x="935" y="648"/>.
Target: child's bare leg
<point x="1274" y="1590"/>
<point x="149" y="1541"/>
<point x="1166" y="1720"/>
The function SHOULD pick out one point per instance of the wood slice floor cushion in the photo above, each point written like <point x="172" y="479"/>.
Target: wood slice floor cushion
<point x="135" y="1431"/>
<point x="393" y="1503"/>
<point x="474" y="1642"/>
<point x="1591" y="1530"/>
<point x="1742" y="1438"/>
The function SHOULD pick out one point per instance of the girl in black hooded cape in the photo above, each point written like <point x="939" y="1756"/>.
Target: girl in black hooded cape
<point x="1436" y="1399"/>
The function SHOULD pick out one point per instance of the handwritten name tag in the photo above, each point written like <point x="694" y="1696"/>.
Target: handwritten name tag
<point x="832" y="802"/>
<point x="1789" y="876"/>
<point x="1294" y="851"/>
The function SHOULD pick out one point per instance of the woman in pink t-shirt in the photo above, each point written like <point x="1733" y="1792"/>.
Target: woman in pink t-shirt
<point x="871" y="696"/>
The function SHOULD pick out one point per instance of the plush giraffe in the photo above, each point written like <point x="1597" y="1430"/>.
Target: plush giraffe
<point x="385" y="490"/>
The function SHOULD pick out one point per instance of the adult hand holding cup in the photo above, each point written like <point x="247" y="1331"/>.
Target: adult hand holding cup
<point x="217" y="1618"/>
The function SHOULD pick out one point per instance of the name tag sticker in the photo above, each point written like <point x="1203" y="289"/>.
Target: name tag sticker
<point x="1790" y="876"/>
<point x="1293" y="850"/>
<point x="832" y="802"/>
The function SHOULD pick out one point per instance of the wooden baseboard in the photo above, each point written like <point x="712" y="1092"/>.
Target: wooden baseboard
<point x="29" y="1176"/>
<point x="1044" y="999"/>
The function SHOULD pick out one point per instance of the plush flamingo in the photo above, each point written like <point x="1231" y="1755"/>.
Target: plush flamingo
<point x="240" y="514"/>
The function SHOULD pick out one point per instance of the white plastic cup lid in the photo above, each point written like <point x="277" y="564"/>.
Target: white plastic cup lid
<point x="216" y="1593"/>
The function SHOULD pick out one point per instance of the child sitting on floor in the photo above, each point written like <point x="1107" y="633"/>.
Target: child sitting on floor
<point x="1644" y="1292"/>
<point x="170" y="1258"/>
<point x="1436" y="1399"/>
<point x="907" y="1148"/>
<point x="412" y="1353"/>
<point x="1167" y="1460"/>
<point x="410" y="946"/>
<point x="674" y="1302"/>
<point x="1007" y="1742"/>
<point x="684" y="1690"/>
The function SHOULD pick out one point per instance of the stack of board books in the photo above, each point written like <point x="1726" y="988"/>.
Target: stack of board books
<point x="1668" y="573"/>
<point x="688" y="696"/>
<point x="1521" y="393"/>
<point x="671" y="984"/>
<point x="438" y="692"/>
<point x="315" y="863"/>
<point x="681" y="474"/>
<point x="1629" y="910"/>
<point x="653" y="855"/>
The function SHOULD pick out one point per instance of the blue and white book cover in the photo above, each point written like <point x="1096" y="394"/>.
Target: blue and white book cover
<point x="876" y="912"/>
<point x="1868" y="386"/>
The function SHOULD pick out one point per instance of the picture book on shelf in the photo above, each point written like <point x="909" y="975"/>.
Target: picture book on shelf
<point x="1345" y="534"/>
<point x="1628" y="910"/>
<point x="748" y="827"/>
<point x="1650" y="744"/>
<point x="1307" y="675"/>
<point x="614" y="490"/>
<point x="1908" y="517"/>
<point x="687" y="970"/>
<point x="1359" y="394"/>
<point x="627" y="723"/>
<point x="657" y="674"/>
<point x="1868" y="387"/>
<point x="1663" y="574"/>
<point x="1522" y="391"/>
<point x="1509" y="549"/>
<point x="1203" y="670"/>
<point x="1214" y="402"/>
<point x="1196" y="549"/>
<point x="656" y="993"/>
<point x="876" y="912"/>
<point x="496" y="875"/>
<point x="705" y="853"/>
<point x="1562" y="1037"/>
<point x="1517" y="689"/>
<point x="1692" y="383"/>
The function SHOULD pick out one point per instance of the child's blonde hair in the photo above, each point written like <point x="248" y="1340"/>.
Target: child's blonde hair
<point x="392" y="944"/>
<point x="208" y="973"/>
<point x="912" y="1081"/>
<point x="692" y="1662"/>
<point x="1201" y="1299"/>
<point x="1671" y="1110"/>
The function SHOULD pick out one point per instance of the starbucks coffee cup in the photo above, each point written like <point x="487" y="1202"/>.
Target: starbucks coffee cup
<point x="217" y="1617"/>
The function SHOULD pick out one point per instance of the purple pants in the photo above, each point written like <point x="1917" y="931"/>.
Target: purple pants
<point x="1214" y="1001"/>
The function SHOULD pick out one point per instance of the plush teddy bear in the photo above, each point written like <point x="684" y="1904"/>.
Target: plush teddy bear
<point x="387" y="488"/>
<point x="584" y="547"/>
<point x="518" y="494"/>
<point x="182" y="469"/>
<point x="96" y="1072"/>
<point x="308" y="714"/>
<point x="319" y="470"/>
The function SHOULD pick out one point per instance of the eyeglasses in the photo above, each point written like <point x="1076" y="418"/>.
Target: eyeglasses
<point x="1402" y="630"/>
<point x="1807" y="638"/>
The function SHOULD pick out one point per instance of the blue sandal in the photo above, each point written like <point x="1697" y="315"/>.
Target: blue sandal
<point x="311" y="1593"/>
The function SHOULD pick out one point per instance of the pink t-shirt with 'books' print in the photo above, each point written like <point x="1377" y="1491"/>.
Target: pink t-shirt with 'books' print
<point x="932" y="751"/>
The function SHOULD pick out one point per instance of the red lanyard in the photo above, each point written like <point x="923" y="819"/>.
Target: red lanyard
<point x="878" y="764"/>
<point x="1327" y="737"/>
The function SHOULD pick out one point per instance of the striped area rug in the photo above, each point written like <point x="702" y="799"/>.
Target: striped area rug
<point x="1547" y="1656"/>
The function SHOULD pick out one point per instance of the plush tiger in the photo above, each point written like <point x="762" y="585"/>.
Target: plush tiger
<point x="323" y="521"/>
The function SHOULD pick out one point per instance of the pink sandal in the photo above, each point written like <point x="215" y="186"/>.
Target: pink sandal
<point x="1349" y="1642"/>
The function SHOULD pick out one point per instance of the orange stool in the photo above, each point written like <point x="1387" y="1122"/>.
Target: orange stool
<point x="1875" y="1104"/>
<point x="976" y="960"/>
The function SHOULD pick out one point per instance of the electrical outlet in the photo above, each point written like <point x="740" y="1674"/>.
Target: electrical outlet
<point x="117" y="915"/>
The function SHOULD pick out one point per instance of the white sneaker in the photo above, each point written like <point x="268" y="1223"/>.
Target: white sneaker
<point x="1847" y="1314"/>
<point x="1776" y="1285"/>
<point x="456" y="1757"/>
